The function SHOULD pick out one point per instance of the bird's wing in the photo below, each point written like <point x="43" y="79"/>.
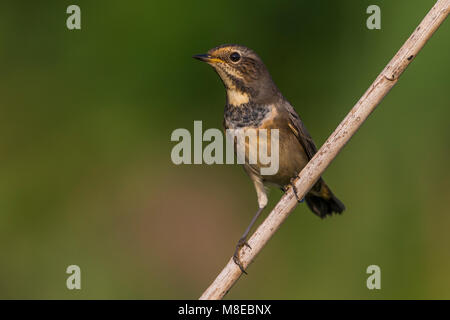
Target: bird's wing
<point x="299" y="129"/>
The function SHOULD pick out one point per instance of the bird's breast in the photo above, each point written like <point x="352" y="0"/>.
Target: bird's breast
<point x="290" y="153"/>
<point x="247" y="115"/>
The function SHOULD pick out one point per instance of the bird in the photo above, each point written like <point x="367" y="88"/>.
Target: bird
<point x="253" y="101"/>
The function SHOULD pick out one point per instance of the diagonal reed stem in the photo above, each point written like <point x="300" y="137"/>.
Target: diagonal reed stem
<point x="326" y="154"/>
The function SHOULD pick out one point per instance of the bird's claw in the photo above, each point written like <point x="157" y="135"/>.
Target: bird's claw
<point x="294" y="189"/>
<point x="241" y="243"/>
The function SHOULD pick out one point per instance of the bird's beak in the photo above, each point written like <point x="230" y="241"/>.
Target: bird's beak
<point x="207" y="58"/>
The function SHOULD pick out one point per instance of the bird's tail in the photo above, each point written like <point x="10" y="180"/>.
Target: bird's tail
<point x="322" y="201"/>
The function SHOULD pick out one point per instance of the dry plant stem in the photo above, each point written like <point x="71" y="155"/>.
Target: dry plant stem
<point x="346" y="129"/>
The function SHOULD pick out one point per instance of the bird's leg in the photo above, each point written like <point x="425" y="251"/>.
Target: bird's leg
<point x="294" y="188"/>
<point x="243" y="240"/>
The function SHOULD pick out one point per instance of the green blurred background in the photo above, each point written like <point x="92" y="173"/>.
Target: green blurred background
<point x="85" y="170"/>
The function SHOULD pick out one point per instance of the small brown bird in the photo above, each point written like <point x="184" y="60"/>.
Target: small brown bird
<point x="254" y="102"/>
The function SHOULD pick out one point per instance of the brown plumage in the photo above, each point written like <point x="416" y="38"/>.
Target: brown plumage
<point x="254" y="102"/>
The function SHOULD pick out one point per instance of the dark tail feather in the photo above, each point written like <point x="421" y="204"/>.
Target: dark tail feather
<point x="325" y="203"/>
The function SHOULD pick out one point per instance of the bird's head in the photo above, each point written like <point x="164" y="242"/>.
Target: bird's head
<point x="243" y="74"/>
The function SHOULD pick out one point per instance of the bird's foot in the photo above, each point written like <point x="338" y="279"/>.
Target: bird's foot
<point x="294" y="189"/>
<point x="241" y="243"/>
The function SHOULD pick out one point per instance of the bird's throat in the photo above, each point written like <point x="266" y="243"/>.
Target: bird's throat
<point x="236" y="97"/>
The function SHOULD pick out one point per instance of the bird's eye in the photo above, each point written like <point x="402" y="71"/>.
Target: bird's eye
<point x="235" y="57"/>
